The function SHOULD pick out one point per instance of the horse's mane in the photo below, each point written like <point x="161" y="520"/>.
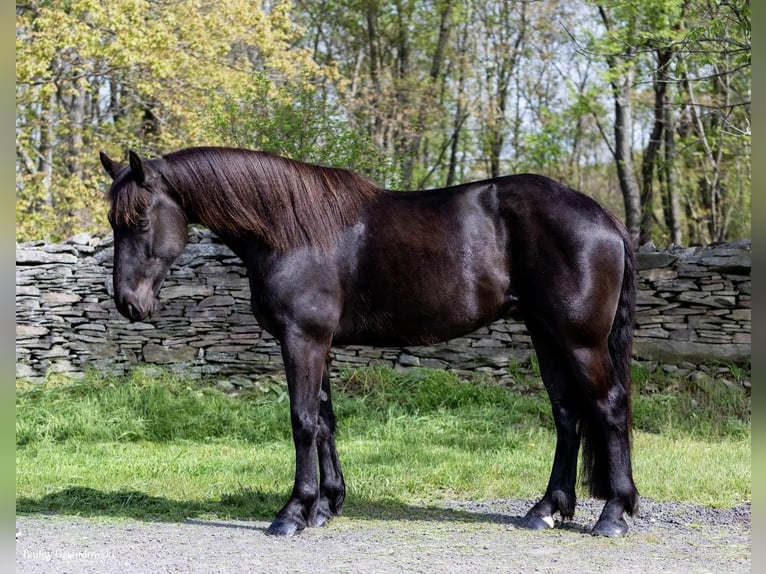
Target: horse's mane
<point x="286" y="203"/>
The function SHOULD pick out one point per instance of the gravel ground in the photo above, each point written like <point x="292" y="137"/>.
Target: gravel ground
<point x="457" y="537"/>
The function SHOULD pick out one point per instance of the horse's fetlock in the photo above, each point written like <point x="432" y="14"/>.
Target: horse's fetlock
<point x="564" y="503"/>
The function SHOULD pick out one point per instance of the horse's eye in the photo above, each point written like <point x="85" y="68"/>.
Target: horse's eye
<point x="144" y="224"/>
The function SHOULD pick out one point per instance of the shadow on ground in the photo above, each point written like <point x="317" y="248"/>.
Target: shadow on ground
<point x="245" y="505"/>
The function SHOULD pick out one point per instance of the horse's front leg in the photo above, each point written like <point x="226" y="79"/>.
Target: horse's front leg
<point x="332" y="488"/>
<point x="304" y="358"/>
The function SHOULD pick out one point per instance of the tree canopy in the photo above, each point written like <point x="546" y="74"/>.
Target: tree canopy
<point x="644" y="105"/>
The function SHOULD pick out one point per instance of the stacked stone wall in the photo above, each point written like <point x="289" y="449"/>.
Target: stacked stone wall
<point x="693" y="308"/>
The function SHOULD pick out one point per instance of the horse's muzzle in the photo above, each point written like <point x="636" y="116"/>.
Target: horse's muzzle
<point x="135" y="308"/>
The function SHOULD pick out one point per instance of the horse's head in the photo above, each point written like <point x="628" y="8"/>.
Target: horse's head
<point x="150" y="232"/>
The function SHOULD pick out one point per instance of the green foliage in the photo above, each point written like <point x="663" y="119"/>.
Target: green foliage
<point x="545" y="147"/>
<point x="409" y="94"/>
<point x="700" y="406"/>
<point x="698" y="53"/>
<point x="296" y="121"/>
<point x="110" y="76"/>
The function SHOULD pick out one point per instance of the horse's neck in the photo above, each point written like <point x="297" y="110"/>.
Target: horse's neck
<point x="252" y="250"/>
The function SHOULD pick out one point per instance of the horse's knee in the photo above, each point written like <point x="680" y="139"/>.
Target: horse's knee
<point x="565" y="416"/>
<point x="613" y="412"/>
<point x="305" y="427"/>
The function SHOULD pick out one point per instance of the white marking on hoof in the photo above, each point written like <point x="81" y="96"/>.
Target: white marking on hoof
<point x="548" y="520"/>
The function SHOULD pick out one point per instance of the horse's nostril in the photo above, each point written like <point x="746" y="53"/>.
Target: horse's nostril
<point x="128" y="307"/>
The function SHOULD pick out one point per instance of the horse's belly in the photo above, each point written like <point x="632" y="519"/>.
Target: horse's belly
<point x="422" y="317"/>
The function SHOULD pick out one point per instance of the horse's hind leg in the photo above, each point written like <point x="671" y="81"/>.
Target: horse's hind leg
<point x="606" y="436"/>
<point x="332" y="488"/>
<point x="559" y="381"/>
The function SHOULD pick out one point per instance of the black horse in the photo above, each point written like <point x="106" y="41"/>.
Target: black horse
<point x="334" y="259"/>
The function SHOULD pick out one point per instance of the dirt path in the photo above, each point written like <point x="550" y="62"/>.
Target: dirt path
<point x="459" y="537"/>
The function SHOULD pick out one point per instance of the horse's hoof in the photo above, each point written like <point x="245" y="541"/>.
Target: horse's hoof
<point x="534" y="522"/>
<point x="283" y="527"/>
<point x="320" y="520"/>
<point x="610" y="528"/>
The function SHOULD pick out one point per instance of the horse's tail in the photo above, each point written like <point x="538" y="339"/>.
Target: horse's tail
<point x="620" y="345"/>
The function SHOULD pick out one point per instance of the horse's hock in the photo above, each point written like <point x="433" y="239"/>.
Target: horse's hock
<point x="693" y="308"/>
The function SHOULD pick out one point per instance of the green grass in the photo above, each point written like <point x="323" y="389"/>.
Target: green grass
<point x="683" y="406"/>
<point x="157" y="447"/>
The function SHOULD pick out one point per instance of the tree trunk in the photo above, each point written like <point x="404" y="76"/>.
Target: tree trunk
<point x="402" y="112"/>
<point x="672" y="206"/>
<point x="427" y="96"/>
<point x="47" y="140"/>
<point x="460" y="113"/>
<point x="506" y="59"/>
<point x="710" y="178"/>
<point x="76" y="119"/>
<point x="623" y="71"/>
<point x="651" y="154"/>
<point x="626" y="173"/>
<point x="373" y="40"/>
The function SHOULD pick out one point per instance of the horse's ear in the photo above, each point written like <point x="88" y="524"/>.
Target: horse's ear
<point x="137" y="167"/>
<point x="144" y="172"/>
<point x="111" y="166"/>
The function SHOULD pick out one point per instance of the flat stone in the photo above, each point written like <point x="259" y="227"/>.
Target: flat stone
<point x="140" y="326"/>
<point x="161" y="355"/>
<point x="647" y="298"/>
<point x="199" y="252"/>
<point x="741" y="315"/>
<point x="673" y="351"/>
<point x="677" y="285"/>
<point x="65" y="366"/>
<point x="54" y="352"/>
<point x="80" y="239"/>
<point x="489" y="342"/>
<point x="649" y="260"/>
<point x="91" y="326"/>
<point x="656" y="332"/>
<point x="27" y="290"/>
<point x="59" y="248"/>
<point x="39" y="257"/>
<point x="217" y="301"/>
<point x="654" y="274"/>
<point x="407" y="360"/>
<point x="703" y="298"/>
<point x="742" y="338"/>
<point x="30" y="330"/>
<point x="24" y="371"/>
<point x="56" y="298"/>
<point x="185" y="291"/>
<point x="736" y="263"/>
